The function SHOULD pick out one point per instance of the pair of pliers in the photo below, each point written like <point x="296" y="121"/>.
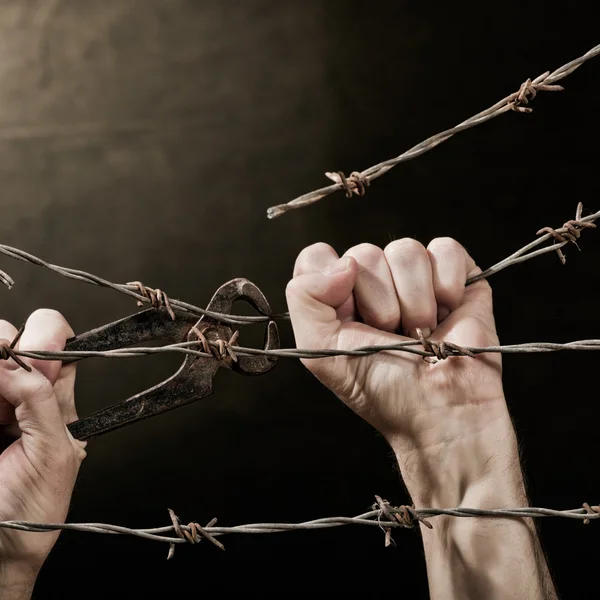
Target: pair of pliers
<point x="193" y="380"/>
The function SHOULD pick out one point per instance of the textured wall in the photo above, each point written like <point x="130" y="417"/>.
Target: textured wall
<point x="145" y="140"/>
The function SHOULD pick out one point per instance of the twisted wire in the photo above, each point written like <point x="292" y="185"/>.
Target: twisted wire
<point x="515" y="102"/>
<point x="383" y="516"/>
<point x="144" y="294"/>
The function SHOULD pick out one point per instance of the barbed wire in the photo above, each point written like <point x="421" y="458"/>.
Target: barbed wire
<point x="358" y="181"/>
<point x="568" y="233"/>
<point x="143" y="294"/>
<point x="432" y="350"/>
<point x="383" y="515"/>
<point x="188" y="348"/>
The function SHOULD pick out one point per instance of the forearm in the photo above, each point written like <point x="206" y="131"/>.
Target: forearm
<point x="483" y="558"/>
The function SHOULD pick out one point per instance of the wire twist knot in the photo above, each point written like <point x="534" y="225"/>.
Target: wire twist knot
<point x="192" y="533"/>
<point x="572" y="233"/>
<point x="591" y="510"/>
<point x="7" y="350"/>
<point x="157" y="297"/>
<point x="528" y="91"/>
<point x="403" y="516"/>
<point x="441" y="350"/>
<point x="355" y="184"/>
<point x="221" y="349"/>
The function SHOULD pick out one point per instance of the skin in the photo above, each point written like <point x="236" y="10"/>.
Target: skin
<point x="448" y="423"/>
<point x="40" y="459"/>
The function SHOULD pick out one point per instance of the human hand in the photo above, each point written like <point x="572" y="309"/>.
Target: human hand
<point x="448" y="422"/>
<point x="39" y="458"/>
<point x="366" y="298"/>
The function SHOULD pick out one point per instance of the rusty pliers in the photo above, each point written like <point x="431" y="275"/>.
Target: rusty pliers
<point x="193" y="380"/>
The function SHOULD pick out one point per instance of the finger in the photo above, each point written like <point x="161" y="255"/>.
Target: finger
<point x="313" y="299"/>
<point x="374" y="291"/>
<point x="64" y="389"/>
<point x="478" y="300"/>
<point x="48" y="330"/>
<point x="318" y="258"/>
<point x="7" y="410"/>
<point x="449" y="269"/>
<point x="450" y="264"/>
<point x="411" y="272"/>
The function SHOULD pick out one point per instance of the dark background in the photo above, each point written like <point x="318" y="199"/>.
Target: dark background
<point x="145" y="140"/>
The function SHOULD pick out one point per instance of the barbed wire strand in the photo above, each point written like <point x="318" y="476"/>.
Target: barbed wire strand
<point x="432" y="350"/>
<point x="147" y="295"/>
<point x="384" y="516"/>
<point x="357" y="181"/>
<point x="187" y="348"/>
<point x="142" y="294"/>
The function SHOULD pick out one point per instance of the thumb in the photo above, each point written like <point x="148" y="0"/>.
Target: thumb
<point x="313" y="300"/>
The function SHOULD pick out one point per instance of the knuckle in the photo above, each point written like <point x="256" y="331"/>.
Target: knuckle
<point x="292" y="288"/>
<point x="314" y="250"/>
<point x="445" y="245"/>
<point x="367" y="255"/>
<point x="385" y="320"/>
<point x="46" y="313"/>
<point x="405" y="250"/>
<point x="313" y="255"/>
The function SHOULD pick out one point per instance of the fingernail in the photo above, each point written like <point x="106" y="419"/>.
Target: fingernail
<point x="339" y="266"/>
<point x="443" y="312"/>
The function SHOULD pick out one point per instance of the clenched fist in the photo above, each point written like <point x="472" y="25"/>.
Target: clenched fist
<point x="372" y="296"/>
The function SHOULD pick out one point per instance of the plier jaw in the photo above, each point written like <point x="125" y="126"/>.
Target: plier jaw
<point x="193" y="380"/>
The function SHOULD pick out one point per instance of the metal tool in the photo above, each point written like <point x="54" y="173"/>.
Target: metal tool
<point x="193" y="380"/>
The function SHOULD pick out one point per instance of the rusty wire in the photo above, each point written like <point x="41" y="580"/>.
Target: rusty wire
<point x="157" y="298"/>
<point x="383" y="516"/>
<point x="358" y="181"/>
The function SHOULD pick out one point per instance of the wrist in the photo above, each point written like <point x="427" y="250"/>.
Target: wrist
<point x="475" y="463"/>
<point x="16" y="581"/>
<point x="480" y="469"/>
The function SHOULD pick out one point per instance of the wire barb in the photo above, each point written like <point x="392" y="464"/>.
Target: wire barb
<point x="515" y="102"/>
<point x="221" y="349"/>
<point x="441" y="350"/>
<point x="8" y="351"/>
<point x="193" y="533"/>
<point x="528" y="91"/>
<point x="355" y="184"/>
<point x="591" y="510"/>
<point x="158" y="298"/>
<point x="572" y="232"/>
